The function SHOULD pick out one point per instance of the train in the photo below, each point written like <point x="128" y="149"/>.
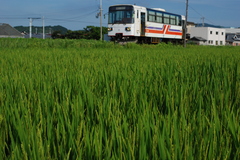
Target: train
<point x="132" y="23"/>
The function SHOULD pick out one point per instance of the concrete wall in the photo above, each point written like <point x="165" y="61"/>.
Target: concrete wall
<point x="214" y="36"/>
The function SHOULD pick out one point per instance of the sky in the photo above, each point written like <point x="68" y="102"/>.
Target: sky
<point x="77" y="14"/>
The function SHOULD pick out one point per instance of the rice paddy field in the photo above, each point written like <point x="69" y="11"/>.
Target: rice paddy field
<point x="72" y="99"/>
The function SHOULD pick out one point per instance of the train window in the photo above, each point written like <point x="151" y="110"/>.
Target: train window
<point x="178" y="21"/>
<point x="159" y="19"/>
<point x="151" y="12"/>
<point x="163" y="17"/>
<point x="121" y="14"/>
<point x="173" y="20"/>
<point x="159" y="14"/>
<point x="151" y="16"/>
<point x="166" y="18"/>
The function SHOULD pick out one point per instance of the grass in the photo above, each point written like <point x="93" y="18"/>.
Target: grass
<point x="69" y="99"/>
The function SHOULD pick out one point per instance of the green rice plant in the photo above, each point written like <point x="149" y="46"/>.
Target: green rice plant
<point x="70" y="99"/>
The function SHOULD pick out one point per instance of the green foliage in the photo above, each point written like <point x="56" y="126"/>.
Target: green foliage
<point x="78" y="99"/>
<point x="91" y="32"/>
<point x="74" y="34"/>
<point x="57" y="35"/>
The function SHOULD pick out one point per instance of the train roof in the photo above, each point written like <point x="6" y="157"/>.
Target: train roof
<point x="156" y="9"/>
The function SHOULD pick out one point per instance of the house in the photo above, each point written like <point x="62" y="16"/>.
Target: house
<point x="233" y="36"/>
<point x="233" y="39"/>
<point x="213" y="36"/>
<point x="6" y="31"/>
<point x="198" y="41"/>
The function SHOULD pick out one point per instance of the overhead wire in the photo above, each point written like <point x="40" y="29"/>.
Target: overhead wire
<point x="200" y="14"/>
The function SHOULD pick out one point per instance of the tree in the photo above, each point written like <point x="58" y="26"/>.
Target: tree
<point x="57" y="35"/>
<point x="91" y="32"/>
<point x="74" y="34"/>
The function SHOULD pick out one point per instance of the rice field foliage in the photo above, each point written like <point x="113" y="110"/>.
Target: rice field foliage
<point x="106" y="101"/>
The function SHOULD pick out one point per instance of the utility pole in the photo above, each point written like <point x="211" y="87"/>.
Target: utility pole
<point x="30" y="26"/>
<point x="101" y="20"/>
<point x="185" y="25"/>
<point x="43" y="27"/>
<point x="202" y="21"/>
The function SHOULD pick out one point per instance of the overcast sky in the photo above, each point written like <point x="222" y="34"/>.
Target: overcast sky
<point x="77" y="14"/>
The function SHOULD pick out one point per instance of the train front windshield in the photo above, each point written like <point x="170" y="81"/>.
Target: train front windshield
<point x="121" y="15"/>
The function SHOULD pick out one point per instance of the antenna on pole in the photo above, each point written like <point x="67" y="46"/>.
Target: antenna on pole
<point x="185" y="24"/>
<point x="30" y="26"/>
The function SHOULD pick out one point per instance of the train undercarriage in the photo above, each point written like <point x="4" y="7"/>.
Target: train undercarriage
<point x="144" y="40"/>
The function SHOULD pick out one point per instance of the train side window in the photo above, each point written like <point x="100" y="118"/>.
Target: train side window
<point x="166" y="18"/>
<point x="178" y="21"/>
<point x="151" y="16"/>
<point x="173" y="20"/>
<point x="151" y="12"/>
<point x="159" y="17"/>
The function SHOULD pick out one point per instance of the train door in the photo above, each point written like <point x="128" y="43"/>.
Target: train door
<point x="143" y="24"/>
<point x="138" y="23"/>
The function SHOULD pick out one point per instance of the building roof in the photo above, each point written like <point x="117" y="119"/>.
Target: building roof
<point x="198" y="39"/>
<point x="233" y="30"/>
<point x="8" y="31"/>
<point x="231" y="37"/>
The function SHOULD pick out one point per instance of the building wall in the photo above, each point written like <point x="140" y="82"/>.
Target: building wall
<point x="12" y="36"/>
<point x="214" y="36"/>
<point x="233" y="30"/>
<point x="236" y="43"/>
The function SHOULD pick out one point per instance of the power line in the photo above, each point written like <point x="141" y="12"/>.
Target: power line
<point x="201" y="14"/>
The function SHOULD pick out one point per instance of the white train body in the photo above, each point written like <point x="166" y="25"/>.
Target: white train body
<point x="136" y="23"/>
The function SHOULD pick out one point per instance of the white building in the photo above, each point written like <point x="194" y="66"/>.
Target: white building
<point x="233" y="30"/>
<point x="214" y="36"/>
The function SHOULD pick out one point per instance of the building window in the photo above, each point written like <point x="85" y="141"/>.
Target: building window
<point x="210" y="32"/>
<point x="221" y="42"/>
<point x="210" y="42"/>
<point x="216" y="42"/>
<point x="216" y="33"/>
<point x="222" y="33"/>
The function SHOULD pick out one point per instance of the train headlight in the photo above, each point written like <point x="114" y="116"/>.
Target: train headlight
<point x="110" y="28"/>
<point x="128" y="28"/>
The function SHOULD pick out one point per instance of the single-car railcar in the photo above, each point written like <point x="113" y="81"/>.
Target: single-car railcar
<point x="144" y="25"/>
